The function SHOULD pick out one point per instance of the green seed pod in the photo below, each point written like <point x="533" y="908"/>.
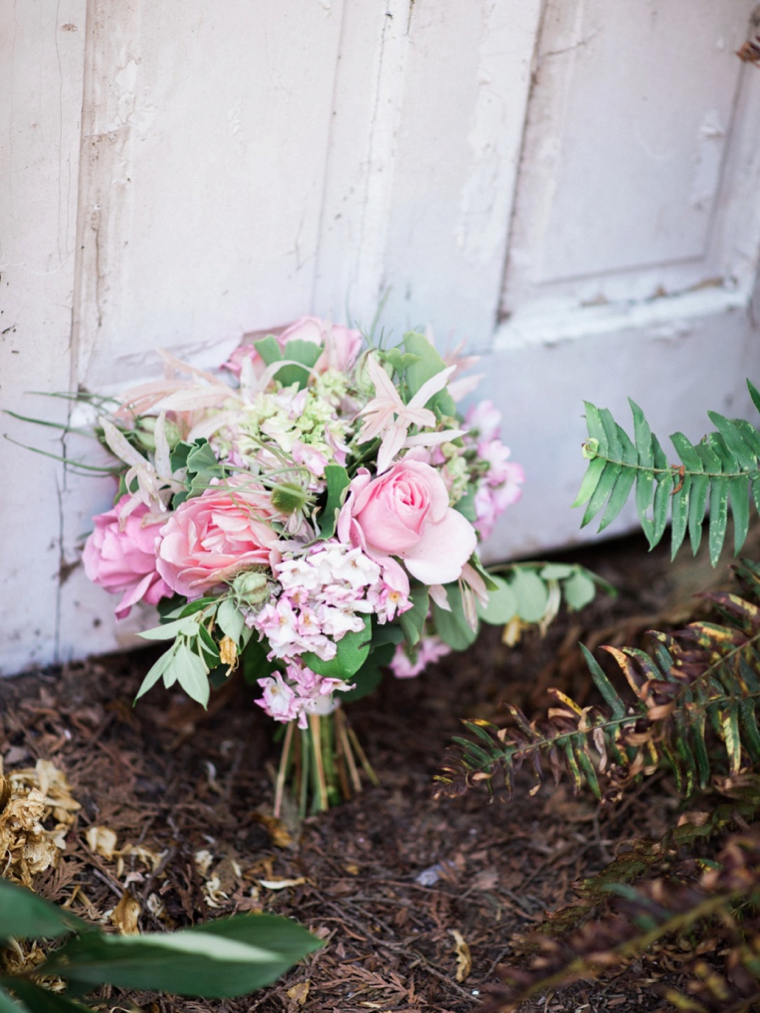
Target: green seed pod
<point x="289" y="497"/>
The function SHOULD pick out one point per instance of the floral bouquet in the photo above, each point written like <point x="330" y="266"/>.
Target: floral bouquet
<point x="310" y="516"/>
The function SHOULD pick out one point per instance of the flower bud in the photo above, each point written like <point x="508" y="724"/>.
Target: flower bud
<point x="251" y="587"/>
<point x="289" y="497"/>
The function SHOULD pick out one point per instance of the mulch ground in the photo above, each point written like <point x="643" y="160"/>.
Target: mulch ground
<point x="386" y="879"/>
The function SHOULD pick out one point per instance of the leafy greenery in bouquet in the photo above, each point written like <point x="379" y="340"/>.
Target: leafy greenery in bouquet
<point x="690" y="707"/>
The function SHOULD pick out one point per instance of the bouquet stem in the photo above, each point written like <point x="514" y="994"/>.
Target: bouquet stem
<point x="321" y="764"/>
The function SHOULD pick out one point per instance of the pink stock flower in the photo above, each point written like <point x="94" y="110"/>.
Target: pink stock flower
<point x="120" y="555"/>
<point x="406" y="513"/>
<point x="209" y="538"/>
<point x="428" y="650"/>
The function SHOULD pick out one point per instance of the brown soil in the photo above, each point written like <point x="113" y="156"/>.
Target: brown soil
<point x="177" y="781"/>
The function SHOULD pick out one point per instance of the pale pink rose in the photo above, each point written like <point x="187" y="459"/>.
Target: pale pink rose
<point x="120" y="555"/>
<point x="209" y="538"/>
<point x="406" y="513"/>
<point x="235" y="362"/>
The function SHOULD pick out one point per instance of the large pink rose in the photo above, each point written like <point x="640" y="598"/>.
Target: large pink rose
<point x="209" y="538"/>
<point x="120" y="555"/>
<point x="406" y="513"/>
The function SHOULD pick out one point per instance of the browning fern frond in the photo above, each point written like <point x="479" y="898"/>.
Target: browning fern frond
<point x="719" y="908"/>
<point x="700" y="688"/>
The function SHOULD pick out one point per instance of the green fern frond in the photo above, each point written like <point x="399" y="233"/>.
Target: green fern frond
<point x="698" y="691"/>
<point x="723" y="468"/>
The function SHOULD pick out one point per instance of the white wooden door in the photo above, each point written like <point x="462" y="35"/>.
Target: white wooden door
<point x="570" y="186"/>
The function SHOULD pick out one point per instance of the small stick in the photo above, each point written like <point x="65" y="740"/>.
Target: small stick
<point x="283" y="770"/>
<point x="340" y="718"/>
<point x="362" y="756"/>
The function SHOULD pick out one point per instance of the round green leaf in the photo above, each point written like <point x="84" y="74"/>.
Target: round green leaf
<point x="502" y="604"/>
<point x="531" y="593"/>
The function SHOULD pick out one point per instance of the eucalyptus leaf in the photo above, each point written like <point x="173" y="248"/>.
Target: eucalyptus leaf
<point x="412" y="621"/>
<point x="531" y="593"/>
<point x="578" y="590"/>
<point x="502" y="604"/>
<point x="230" y="619"/>
<point x="192" y="674"/>
<point x="452" y="626"/>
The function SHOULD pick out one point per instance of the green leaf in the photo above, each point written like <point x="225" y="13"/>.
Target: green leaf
<point x="531" y="593"/>
<point x="192" y="674"/>
<point x="734" y="440"/>
<point x="700" y="487"/>
<point x="642" y="436"/>
<point x="269" y="349"/>
<point x="452" y="627"/>
<point x="24" y="915"/>
<point x="370" y="675"/>
<point x="557" y="571"/>
<point x="660" y="508"/>
<point x="337" y="482"/>
<point x="718" y="517"/>
<point x="578" y="590"/>
<point x="8" y="1005"/>
<point x="687" y="453"/>
<point x="230" y="619"/>
<point x="399" y="360"/>
<point x="590" y="481"/>
<point x="754" y="393"/>
<point x="255" y="663"/>
<point x="413" y="620"/>
<point x="680" y="515"/>
<point x="466" y="506"/>
<point x="602" y="491"/>
<point x="739" y="490"/>
<point x="155" y="672"/>
<point x="40" y="1000"/>
<point x="618" y="497"/>
<point x="429" y="363"/>
<point x="595" y="428"/>
<point x="228" y="957"/>
<point x="168" y="631"/>
<point x="502" y="604"/>
<point x="352" y="651"/>
<point x="306" y="352"/>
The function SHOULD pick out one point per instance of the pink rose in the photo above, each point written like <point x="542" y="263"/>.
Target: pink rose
<point x="120" y="555"/>
<point x="209" y="538"/>
<point x="406" y="513"/>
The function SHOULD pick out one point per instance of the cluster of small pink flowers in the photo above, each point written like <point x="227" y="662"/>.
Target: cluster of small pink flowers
<point x="408" y="662"/>
<point x="303" y="693"/>
<point x="325" y="594"/>
<point x="500" y="483"/>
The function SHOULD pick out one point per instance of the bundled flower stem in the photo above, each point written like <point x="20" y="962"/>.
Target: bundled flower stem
<point x="309" y="516"/>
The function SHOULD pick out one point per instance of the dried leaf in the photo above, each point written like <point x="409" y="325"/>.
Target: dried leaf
<point x="101" y="841"/>
<point x="125" y="915"/>
<point x="464" y="959"/>
<point x="280" y="884"/>
<point x="299" y="992"/>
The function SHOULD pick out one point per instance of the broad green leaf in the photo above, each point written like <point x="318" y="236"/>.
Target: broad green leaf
<point x="40" y="1000"/>
<point x="168" y="631"/>
<point x="255" y="663"/>
<point x="306" y="352"/>
<point x="428" y="364"/>
<point x="370" y="675"/>
<point x="531" y="593"/>
<point x="230" y="619"/>
<point x="502" y="604"/>
<point x="228" y="957"/>
<point x="24" y="915"/>
<point x="269" y="349"/>
<point x="452" y="627"/>
<point x="385" y="633"/>
<point x="191" y="674"/>
<point x="466" y="506"/>
<point x="718" y="517"/>
<point x="578" y="590"/>
<point x="155" y="672"/>
<point x="352" y="651"/>
<point x="590" y="481"/>
<point x="337" y="482"/>
<point x="557" y="571"/>
<point x="413" y="620"/>
<point x="8" y="1005"/>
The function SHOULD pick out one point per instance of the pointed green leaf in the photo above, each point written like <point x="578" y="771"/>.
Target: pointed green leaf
<point x="230" y="619"/>
<point x="734" y="440"/>
<point x="709" y="457"/>
<point x="155" y="672"/>
<point x="8" y="1005"/>
<point x="754" y="393"/>
<point x="37" y="999"/>
<point x="718" y="517"/>
<point x="192" y="674"/>
<point x="660" y="509"/>
<point x="24" y="915"/>
<point x="412" y="621"/>
<point x="680" y="515"/>
<point x="590" y="481"/>
<point x="595" y="428"/>
<point x="337" y="482"/>
<point x="697" y="506"/>
<point x="618" y="498"/>
<point x="603" y="684"/>
<point x="602" y="491"/>
<point x="749" y="434"/>
<point x="690" y="458"/>
<point x="611" y="432"/>
<point x="642" y="436"/>
<point x="452" y="626"/>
